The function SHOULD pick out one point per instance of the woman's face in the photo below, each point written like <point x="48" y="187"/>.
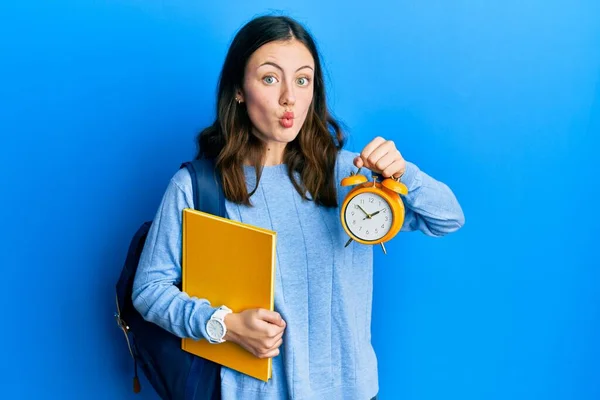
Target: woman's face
<point x="278" y="90"/>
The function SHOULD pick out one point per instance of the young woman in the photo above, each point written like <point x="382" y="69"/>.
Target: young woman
<point x="280" y="156"/>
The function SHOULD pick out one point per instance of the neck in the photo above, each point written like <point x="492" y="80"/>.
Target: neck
<point x="273" y="150"/>
<point x="273" y="154"/>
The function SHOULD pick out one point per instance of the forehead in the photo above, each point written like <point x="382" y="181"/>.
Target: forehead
<point x="287" y="54"/>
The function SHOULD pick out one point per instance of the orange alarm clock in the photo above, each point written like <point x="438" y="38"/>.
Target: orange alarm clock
<point x="372" y="212"/>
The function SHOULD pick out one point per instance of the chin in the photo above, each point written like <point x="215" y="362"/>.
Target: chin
<point x="279" y="134"/>
<point x="286" y="135"/>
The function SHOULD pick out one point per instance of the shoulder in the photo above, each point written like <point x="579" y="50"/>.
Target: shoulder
<point x="345" y="158"/>
<point x="344" y="162"/>
<point x="180" y="186"/>
<point x="182" y="179"/>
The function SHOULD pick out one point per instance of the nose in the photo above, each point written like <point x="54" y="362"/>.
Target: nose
<point x="288" y="97"/>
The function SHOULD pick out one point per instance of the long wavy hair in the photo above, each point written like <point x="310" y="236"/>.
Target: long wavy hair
<point x="230" y="142"/>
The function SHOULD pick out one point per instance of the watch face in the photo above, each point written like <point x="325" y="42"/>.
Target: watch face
<point x="368" y="216"/>
<point x="215" y="329"/>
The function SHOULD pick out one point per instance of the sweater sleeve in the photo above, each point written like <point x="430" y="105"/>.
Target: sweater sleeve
<point x="155" y="294"/>
<point x="430" y="205"/>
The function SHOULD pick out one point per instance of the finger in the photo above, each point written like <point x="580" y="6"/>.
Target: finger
<point x="369" y="148"/>
<point x="272" y="317"/>
<point x="269" y="354"/>
<point x="385" y="161"/>
<point x="358" y="162"/>
<point x="277" y="344"/>
<point x="268" y="345"/>
<point x="396" y="168"/>
<point x="377" y="154"/>
<point x="271" y="345"/>
<point x="274" y="330"/>
<point x="278" y="338"/>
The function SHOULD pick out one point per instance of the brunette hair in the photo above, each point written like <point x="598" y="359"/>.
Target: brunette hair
<point x="230" y="142"/>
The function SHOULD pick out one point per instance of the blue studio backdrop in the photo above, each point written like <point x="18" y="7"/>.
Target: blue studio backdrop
<point x="100" y="101"/>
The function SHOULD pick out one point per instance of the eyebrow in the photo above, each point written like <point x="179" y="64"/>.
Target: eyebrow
<point x="278" y="67"/>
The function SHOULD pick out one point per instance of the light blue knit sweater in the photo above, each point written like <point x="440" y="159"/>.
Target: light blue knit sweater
<point x="323" y="290"/>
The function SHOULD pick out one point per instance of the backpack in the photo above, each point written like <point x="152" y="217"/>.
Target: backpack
<point x="173" y="373"/>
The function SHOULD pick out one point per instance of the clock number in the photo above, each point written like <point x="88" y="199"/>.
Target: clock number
<point x="376" y="230"/>
<point x="367" y="232"/>
<point x="386" y="218"/>
<point x="382" y="225"/>
<point x="353" y="213"/>
<point x="371" y="200"/>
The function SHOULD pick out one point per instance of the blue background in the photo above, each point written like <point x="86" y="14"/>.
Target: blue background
<point x="101" y="100"/>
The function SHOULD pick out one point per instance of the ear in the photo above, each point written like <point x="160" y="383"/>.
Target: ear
<point x="239" y="96"/>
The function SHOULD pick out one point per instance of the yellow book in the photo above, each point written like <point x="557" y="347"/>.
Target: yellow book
<point x="233" y="264"/>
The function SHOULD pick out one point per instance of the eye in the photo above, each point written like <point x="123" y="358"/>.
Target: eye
<point x="303" y="81"/>
<point x="269" y="79"/>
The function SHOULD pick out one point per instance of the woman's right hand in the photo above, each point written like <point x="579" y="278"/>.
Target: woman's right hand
<point x="257" y="330"/>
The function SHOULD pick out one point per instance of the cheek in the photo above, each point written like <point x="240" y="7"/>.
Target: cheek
<point x="259" y="108"/>
<point x="305" y="100"/>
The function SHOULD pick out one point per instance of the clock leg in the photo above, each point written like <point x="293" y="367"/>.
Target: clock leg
<point x="383" y="247"/>
<point x="348" y="242"/>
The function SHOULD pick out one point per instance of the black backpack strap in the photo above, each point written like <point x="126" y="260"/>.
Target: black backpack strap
<point x="206" y="187"/>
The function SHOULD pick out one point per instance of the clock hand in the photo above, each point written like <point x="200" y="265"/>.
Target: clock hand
<point x="361" y="209"/>
<point x="375" y="213"/>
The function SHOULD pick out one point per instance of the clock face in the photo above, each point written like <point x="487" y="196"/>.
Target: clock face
<point x="215" y="329"/>
<point x="368" y="216"/>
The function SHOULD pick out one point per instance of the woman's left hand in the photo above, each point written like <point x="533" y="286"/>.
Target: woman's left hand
<point x="382" y="157"/>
